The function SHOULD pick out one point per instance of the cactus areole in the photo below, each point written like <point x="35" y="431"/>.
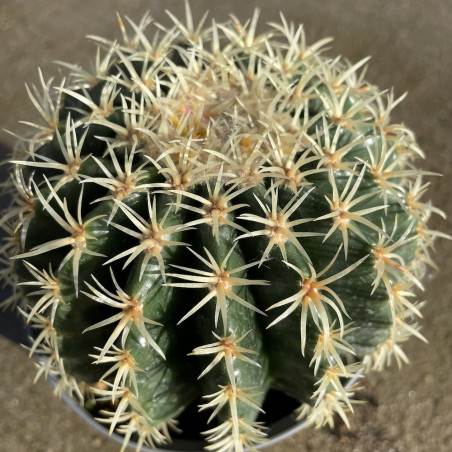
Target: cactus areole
<point x="209" y="215"/>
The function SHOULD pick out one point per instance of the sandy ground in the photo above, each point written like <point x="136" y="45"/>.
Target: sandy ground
<point x="408" y="410"/>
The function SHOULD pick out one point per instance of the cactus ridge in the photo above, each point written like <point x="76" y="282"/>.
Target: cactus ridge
<point x="211" y="214"/>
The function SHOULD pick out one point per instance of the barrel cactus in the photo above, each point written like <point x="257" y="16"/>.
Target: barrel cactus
<point x="209" y="215"/>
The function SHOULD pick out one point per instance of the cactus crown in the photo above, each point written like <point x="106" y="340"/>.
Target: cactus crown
<point x="217" y="193"/>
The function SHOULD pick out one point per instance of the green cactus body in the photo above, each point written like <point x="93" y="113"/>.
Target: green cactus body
<point x="210" y="216"/>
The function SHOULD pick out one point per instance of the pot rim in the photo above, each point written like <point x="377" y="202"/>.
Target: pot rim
<point x="283" y="428"/>
<point x="278" y="431"/>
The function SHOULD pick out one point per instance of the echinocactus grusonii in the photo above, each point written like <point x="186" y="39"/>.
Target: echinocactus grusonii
<point x="212" y="214"/>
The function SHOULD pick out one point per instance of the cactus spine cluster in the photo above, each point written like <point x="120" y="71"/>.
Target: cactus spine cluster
<point x="211" y="214"/>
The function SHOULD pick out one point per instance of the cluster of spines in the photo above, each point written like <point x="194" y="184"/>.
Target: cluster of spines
<point x="236" y="432"/>
<point x="188" y="140"/>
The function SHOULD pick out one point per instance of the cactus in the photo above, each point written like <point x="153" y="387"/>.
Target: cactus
<point x="209" y="215"/>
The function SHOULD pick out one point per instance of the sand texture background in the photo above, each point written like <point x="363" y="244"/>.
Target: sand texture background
<point x="408" y="410"/>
